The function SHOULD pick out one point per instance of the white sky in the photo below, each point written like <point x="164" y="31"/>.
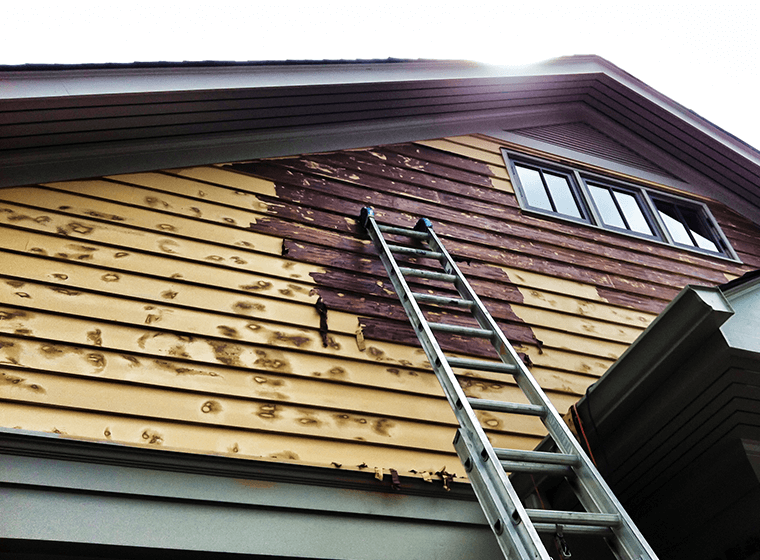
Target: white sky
<point x="705" y="56"/>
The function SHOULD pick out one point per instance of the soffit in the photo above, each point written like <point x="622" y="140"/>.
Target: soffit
<point x="586" y="139"/>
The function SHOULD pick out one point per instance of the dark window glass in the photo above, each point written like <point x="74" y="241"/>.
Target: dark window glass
<point x="562" y="194"/>
<point x="548" y="191"/>
<point x="687" y="226"/>
<point x="533" y="187"/>
<point x="620" y="209"/>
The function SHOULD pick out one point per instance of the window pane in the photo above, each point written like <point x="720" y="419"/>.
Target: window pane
<point x="605" y="204"/>
<point x="533" y="188"/>
<point x="698" y="229"/>
<point x="562" y="194"/>
<point x="677" y="230"/>
<point x="632" y="212"/>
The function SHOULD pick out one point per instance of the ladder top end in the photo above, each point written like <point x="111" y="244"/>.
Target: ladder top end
<point x="423" y="224"/>
<point x="366" y="213"/>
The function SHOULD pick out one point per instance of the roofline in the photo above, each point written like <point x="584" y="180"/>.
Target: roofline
<point x="418" y="99"/>
<point x="197" y="63"/>
<point x="56" y="80"/>
<point x="666" y="103"/>
<point x="79" y="80"/>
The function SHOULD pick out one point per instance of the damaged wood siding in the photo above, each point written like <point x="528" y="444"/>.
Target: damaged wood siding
<point x="144" y="310"/>
<point x="238" y="309"/>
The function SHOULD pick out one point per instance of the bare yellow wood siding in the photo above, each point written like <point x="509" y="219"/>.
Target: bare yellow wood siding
<point x="177" y="308"/>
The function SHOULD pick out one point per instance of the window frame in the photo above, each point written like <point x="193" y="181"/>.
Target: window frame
<point x="581" y="180"/>
<point x="578" y="196"/>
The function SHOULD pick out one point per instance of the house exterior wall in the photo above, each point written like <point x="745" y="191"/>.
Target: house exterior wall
<point x="178" y="308"/>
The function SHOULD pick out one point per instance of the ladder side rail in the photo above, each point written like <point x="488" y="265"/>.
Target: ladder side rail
<point x="522" y="539"/>
<point x="488" y="490"/>
<point x="588" y="478"/>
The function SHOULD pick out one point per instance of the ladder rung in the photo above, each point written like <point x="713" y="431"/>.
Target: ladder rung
<point x="536" y="468"/>
<point x="413" y="251"/>
<point x="480" y="365"/>
<point x="545" y="457"/>
<point x="403" y="231"/>
<point x="574" y="530"/>
<point x="573" y="517"/>
<point x="429" y="274"/>
<point x="456" y="329"/>
<point x="442" y="300"/>
<point x="510" y="407"/>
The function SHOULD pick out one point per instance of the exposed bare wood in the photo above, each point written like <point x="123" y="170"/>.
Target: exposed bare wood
<point x="177" y="308"/>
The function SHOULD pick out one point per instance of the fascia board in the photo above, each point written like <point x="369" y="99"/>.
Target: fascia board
<point x="685" y="324"/>
<point x="742" y="286"/>
<point x="57" y="475"/>
<point x="679" y="114"/>
<point x="33" y="444"/>
<point x="80" y="82"/>
<point x="742" y="332"/>
<point x="676" y="113"/>
<point x="66" y="83"/>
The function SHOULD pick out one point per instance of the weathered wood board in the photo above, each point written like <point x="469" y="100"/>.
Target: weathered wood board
<point x="178" y="308"/>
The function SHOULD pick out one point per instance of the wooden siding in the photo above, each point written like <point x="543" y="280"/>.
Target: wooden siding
<point x="178" y="308"/>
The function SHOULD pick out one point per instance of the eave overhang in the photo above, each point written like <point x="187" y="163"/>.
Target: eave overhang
<point x="82" y="122"/>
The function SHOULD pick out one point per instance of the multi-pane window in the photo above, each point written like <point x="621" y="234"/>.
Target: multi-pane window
<point x="618" y="208"/>
<point x="549" y="190"/>
<point x="572" y="194"/>
<point x="687" y="226"/>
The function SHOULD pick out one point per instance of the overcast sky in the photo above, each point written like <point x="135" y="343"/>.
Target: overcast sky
<point x="704" y="56"/>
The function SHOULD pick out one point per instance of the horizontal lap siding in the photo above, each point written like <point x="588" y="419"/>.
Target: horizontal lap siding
<point x="177" y="308"/>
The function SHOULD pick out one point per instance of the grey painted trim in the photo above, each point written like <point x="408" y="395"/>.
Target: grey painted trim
<point x="118" y="81"/>
<point x="63" y="490"/>
<point x="129" y="482"/>
<point x="46" y="445"/>
<point x="113" y="520"/>
<point x="742" y="286"/>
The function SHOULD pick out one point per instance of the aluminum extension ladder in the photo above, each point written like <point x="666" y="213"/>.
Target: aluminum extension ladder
<point x="516" y="528"/>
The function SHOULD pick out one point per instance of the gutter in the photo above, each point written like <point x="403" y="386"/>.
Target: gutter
<point x="680" y="330"/>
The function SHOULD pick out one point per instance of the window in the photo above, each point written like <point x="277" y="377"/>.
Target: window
<point x="550" y="190"/>
<point x="620" y="208"/>
<point x="635" y="210"/>
<point x="688" y="226"/>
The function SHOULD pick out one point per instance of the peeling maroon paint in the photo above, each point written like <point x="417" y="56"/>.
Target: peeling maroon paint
<point x="319" y="197"/>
